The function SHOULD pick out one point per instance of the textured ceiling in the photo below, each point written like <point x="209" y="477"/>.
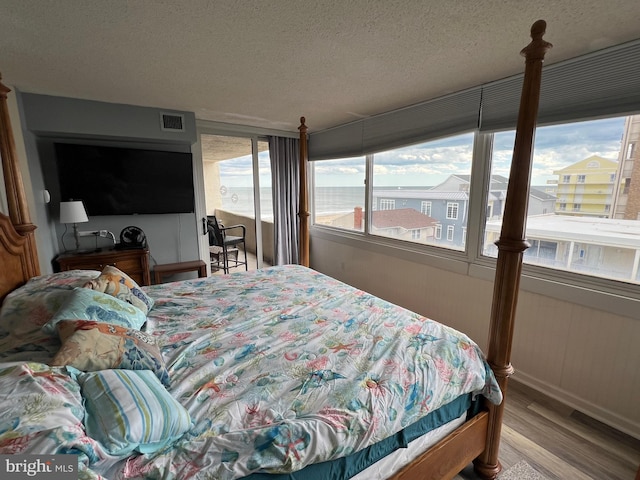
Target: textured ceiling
<point x="265" y="63"/>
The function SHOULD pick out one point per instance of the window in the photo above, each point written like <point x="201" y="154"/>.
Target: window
<point x="450" y="231"/>
<point x="452" y="211"/>
<point x="338" y="198"/>
<point x="420" y="186"/>
<point x="631" y="150"/>
<point x="387" y="204"/>
<point x="555" y="237"/>
<point x="420" y="194"/>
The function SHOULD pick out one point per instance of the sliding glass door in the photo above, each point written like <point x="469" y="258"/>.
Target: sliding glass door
<point x="237" y="190"/>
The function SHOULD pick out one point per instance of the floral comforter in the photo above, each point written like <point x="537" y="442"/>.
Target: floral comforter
<point x="278" y="368"/>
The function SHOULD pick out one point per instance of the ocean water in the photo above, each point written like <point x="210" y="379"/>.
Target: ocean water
<point x="328" y="200"/>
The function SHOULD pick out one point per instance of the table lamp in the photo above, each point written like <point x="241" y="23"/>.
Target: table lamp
<point x="73" y="212"/>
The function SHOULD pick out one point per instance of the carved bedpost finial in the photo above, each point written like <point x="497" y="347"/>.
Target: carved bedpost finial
<point x="538" y="47"/>
<point x="538" y="29"/>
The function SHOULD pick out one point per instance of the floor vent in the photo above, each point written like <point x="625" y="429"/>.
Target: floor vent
<point x="171" y="122"/>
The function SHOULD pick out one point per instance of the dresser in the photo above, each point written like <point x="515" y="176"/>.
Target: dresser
<point x="133" y="262"/>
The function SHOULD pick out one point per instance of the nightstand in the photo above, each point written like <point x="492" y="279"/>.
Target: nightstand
<point x="133" y="262"/>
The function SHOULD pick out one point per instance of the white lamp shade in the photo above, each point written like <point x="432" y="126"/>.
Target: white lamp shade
<point x="73" y="212"/>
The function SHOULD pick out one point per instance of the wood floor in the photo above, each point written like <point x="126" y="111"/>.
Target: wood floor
<point x="560" y="442"/>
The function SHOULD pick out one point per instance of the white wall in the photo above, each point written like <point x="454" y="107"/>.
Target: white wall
<point x="582" y="356"/>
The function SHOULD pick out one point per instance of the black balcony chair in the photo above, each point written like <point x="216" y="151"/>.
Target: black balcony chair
<point x="227" y="245"/>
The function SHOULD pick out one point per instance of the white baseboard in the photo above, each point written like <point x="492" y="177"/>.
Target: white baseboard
<point x="603" y="415"/>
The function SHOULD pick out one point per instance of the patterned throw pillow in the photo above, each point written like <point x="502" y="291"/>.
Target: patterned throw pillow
<point x="84" y="304"/>
<point x="42" y="413"/>
<point x="129" y="410"/>
<point x="91" y="346"/>
<point x="28" y="308"/>
<point x="118" y="284"/>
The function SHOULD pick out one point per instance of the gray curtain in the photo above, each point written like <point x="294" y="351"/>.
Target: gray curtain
<point x="285" y="181"/>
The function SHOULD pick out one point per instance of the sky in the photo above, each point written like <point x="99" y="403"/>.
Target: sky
<point x="431" y="163"/>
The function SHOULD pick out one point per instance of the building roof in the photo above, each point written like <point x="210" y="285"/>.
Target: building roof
<point x="407" y="218"/>
<point x="422" y="194"/>
<point x="566" y="228"/>
<point x="604" y="164"/>
<point x="499" y="185"/>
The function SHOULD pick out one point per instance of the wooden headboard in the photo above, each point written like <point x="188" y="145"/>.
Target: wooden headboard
<point x="18" y="253"/>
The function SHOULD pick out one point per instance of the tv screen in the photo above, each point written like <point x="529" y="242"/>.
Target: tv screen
<point x="125" y="181"/>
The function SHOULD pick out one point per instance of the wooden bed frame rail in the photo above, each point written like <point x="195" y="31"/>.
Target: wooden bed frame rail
<point x="478" y="439"/>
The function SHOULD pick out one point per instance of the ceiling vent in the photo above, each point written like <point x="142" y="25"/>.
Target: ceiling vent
<point x="171" y="122"/>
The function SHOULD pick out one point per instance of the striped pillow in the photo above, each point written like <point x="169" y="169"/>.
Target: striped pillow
<point x="130" y="410"/>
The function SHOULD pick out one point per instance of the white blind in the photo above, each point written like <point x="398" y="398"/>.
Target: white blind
<point x="599" y="84"/>
<point x="340" y="142"/>
<point x="425" y="121"/>
<point x="418" y="123"/>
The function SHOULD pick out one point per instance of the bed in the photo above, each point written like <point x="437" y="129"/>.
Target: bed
<point x="271" y="374"/>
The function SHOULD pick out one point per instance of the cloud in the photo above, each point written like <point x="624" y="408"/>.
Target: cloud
<point x="559" y="146"/>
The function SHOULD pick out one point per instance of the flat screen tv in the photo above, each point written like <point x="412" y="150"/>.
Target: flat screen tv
<point x="125" y="181"/>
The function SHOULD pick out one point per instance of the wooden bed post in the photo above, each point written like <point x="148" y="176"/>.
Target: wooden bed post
<point x="16" y="198"/>
<point x="303" y="212"/>
<point x="512" y="244"/>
